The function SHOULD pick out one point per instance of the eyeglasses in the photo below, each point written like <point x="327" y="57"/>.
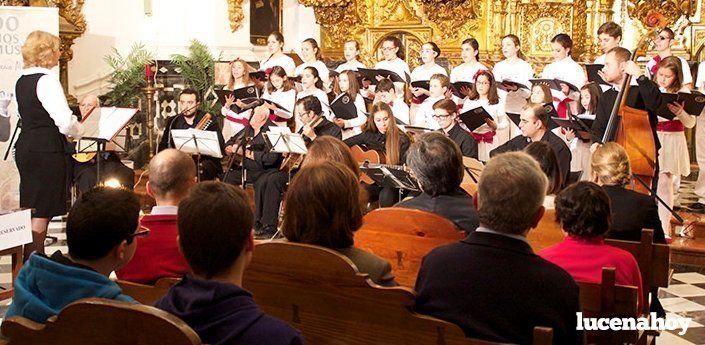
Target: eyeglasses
<point x="138" y="233"/>
<point x="441" y="116"/>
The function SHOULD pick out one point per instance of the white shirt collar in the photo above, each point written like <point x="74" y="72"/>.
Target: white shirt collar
<point x="164" y="210"/>
<point x="35" y="70"/>
<point x="516" y="237"/>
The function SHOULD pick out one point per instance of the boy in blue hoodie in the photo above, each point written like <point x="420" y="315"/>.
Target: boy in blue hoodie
<point x="215" y="236"/>
<point x="100" y="233"/>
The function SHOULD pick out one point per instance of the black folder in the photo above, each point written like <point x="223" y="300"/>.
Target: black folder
<point x="515" y="117"/>
<point x="582" y="128"/>
<point x="243" y="94"/>
<point x="372" y="74"/>
<point x="592" y="74"/>
<point x="507" y="84"/>
<point x="343" y="107"/>
<point x="693" y="104"/>
<point x="275" y="104"/>
<point x="259" y="75"/>
<point x="459" y="85"/>
<point x="474" y="118"/>
<point x="423" y="84"/>
<point x="555" y="84"/>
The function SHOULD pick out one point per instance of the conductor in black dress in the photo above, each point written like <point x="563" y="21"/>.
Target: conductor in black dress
<point x="189" y="101"/>
<point x="42" y="150"/>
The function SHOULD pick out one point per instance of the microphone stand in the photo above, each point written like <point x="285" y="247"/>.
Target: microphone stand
<point x="198" y="159"/>
<point x="170" y="143"/>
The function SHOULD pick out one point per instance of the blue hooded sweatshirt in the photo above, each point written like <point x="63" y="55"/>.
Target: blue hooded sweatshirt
<point x="46" y="285"/>
<point x="225" y="314"/>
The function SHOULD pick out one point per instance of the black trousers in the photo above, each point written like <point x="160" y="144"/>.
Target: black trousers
<point x="269" y="193"/>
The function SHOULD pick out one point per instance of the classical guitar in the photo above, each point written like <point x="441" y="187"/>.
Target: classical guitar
<point x="371" y="156"/>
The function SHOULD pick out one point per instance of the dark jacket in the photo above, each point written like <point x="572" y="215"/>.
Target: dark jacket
<point x="562" y="151"/>
<point x="632" y="212"/>
<point x="495" y="288"/>
<point x="467" y="144"/>
<point x="224" y="313"/>
<point x="325" y="127"/>
<point x="456" y="207"/>
<point x="263" y="158"/>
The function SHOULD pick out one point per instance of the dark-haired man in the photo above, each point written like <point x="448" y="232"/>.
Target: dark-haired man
<point x="190" y="116"/>
<point x="100" y="232"/>
<point x="215" y="235"/>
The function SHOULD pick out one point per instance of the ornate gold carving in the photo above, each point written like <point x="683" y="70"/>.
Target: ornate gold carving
<point x="539" y="22"/>
<point x="672" y="10"/>
<point x="454" y="18"/>
<point x="235" y="14"/>
<point x="71" y="10"/>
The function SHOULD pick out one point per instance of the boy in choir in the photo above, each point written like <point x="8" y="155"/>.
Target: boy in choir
<point x="438" y="87"/>
<point x="438" y="166"/>
<point x="663" y="44"/>
<point x="100" y="232"/>
<point x="172" y="174"/>
<point x="386" y="93"/>
<point x="190" y="116"/>
<point x="566" y="69"/>
<point x="609" y="35"/>
<point x="445" y="112"/>
<point x="533" y="124"/>
<point x="491" y="283"/>
<point x="215" y="235"/>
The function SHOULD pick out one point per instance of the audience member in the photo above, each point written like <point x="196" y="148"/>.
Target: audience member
<point x="323" y="208"/>
<point x="100" y="233"/>
<point x="172" y="173"/>
<point x="583" y="210"/>
<point x="437" y="163"/>
<point x="543" y="154"/>
<point x="215" y="236"/>
<point x="492" y="284"/>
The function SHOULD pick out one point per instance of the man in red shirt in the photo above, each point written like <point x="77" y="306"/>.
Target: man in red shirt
<point x="171" y="175"/>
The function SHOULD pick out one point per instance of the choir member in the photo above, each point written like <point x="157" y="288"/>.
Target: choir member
<point x="347" y="83"/>
<point x="313" y="86"/>
<point x="580" y="149"/>
<point x="381" y="133"/>
<point x="351" y="52"/>
<point x="429" y="53"/>
<point x="275" y="44"/>
<point x="673" y="157"/>
<point x="239" y="78"/>
<point x="445" y="112"/>
<point x="40" y="151"/>
<point x="438" y="87"/>
<point x="540" y="93"/>
<point x="663" y="46"/>
<point x="387" y="93"/>
<point x="470" y="53"/>
<point x="496" y="131"/>
<point x="514" y="66"/>
<point x="566" y="69"/>
<point x="311" y="56"/>
<point x="279" y="89"/>
<point x="609" y="35"/>
<point x="393" y="53"/>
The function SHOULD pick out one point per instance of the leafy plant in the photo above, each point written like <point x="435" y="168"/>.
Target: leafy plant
<point x="127" y="77"/>
<point x="198" y="71"/>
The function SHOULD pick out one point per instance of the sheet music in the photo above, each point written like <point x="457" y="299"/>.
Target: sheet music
<point x="105" y="123"/>
<point x="286" y="142"/>
<point x="208" y="144"/>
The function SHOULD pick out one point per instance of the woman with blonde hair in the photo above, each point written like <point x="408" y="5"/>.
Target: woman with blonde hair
<point x="631" y="211"/>
<point x="41" y="148"/>
<point x="239" y="78"/>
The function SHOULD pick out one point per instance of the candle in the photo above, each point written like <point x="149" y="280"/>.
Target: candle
<point x="148" y="73"/>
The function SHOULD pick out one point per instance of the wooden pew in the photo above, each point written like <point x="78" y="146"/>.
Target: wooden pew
<point x="321" y="293"/>
<point x="547" y="233"/>
<point x="403" y="237"/>
<point x="607" y="299"/>
<point x="98" y="321"/>
<point x="17" y="254"/>
<point x="147" y="294"/>
<point x="653" y="260"/>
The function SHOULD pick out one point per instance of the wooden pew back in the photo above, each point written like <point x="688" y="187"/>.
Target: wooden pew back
<point x="547" y="233"/>
<point x="147" y="294"/>
<point x="100" y="321"/>
<point x="403" y="237"/>
<point x="321" y="293"/>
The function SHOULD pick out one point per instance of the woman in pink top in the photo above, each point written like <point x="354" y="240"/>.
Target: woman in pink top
<point x="583" y="210"/>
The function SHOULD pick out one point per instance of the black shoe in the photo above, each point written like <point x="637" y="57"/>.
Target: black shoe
<point x="697" y="207"/>
<point x="266" y="232"/>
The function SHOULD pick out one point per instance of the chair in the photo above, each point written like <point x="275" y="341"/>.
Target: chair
<point x="147" y="294"/>
<point x="403" y="237"/>
<point x="547" y="233"/>
<point x="100" y="321"/>
<point x="606" y="299"/>
<point x="17" y="253"/>
<point x="321" y="293"/>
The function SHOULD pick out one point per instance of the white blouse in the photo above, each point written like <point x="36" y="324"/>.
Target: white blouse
<point x="518" y="71"/>
<point x="51" y="95"/>
<point x="566" y="70"/>
<point x="350" y="66"/>
<point x="397" y="66"/>
<point x="465" y="73"/>
<point x="283" y="61"/>
<point x="424" y="114"/>
<point x="425" y="73"/>
<point x="400" y="110"/>
<point x="286" y="99"/>
<point x="319" y="66"/>
<point x="322" y="97"/>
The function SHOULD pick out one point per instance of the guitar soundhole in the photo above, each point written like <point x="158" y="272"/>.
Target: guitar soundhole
<point x="420" y="234"/>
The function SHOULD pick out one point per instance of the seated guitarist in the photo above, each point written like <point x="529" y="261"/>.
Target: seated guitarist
<point x="381" y="133"/>
<point x="84" y="170"/>
<point x="270" y="187"/>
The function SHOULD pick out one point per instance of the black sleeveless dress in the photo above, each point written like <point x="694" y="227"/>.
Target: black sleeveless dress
<point x="40" y="154"/>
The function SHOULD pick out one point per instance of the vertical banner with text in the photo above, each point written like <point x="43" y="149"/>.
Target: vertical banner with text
<point x="15" y="24"/>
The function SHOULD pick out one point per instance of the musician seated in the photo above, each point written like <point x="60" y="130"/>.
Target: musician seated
<point x="438" y="166"/>
<point x="446" y="114"/>
<point x="172" y="174"/>
<point x="85" y="173"/>
<point x="269" y="188"/>
<point x="258" y="159"/>
<point x="583" y="210"/>
<point x="544" y="155"/>
<point x="382" y="134"/>
<point x="631" y="211"/>
<point x="323" y="208"/>
<point x="100" y="231"/>
<point x="190" y="117"/>
<point x="492" y="284"/>
<point x="215" y="235"/>
<point x="534" y="127"/>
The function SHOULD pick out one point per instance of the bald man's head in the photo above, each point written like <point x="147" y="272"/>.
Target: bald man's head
<point x="87" y="104"/>
<point x="171" y="174"/>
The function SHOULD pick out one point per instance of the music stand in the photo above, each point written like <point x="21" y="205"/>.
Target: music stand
<point x="102" y="126"/>
<point x="197" y="142"/>
<point x="283" y="141"/>
<point x="389" y="177"/>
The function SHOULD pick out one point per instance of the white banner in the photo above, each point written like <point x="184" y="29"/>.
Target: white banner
<point x="15" y="24"/>
<point x="15" y="229"/>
